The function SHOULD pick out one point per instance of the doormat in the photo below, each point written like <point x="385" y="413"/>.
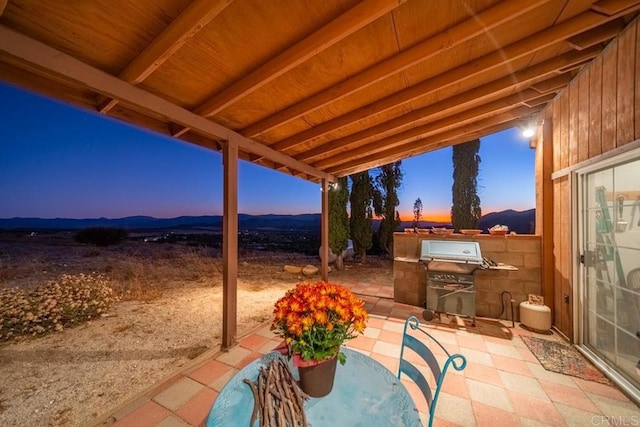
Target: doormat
<point x="561" y="357"/>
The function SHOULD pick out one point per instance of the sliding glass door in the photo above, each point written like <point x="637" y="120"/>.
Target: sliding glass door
<point x="609" y="278"/>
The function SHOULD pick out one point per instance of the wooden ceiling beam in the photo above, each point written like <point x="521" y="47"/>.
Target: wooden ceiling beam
<point x="340" y="28"/>
<point x="600" y="34"/>
<point x="348" y="23"/>
<point x="511" y="104"/>
<point x="516" y="50"/>
<point x="426" y="146"/>
<point x="613" y="7"/>
<point x="376" y="134"/>
<point x="445" y="40"/>
<point x="60" y="63"/>
<point x="471" y="131"/>
<point x="540" y="100"/>
<point x="195" y="17"/>
<point x="554" y="84"/>
<point x="521" y="77"/>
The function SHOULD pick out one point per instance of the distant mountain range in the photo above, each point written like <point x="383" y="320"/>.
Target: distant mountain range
<point x="519" y="221"/>
<point x="522" y="222"/>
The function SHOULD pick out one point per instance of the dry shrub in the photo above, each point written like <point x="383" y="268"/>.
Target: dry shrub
<point x="143" y="276"/>
<point x="66" y="302"/>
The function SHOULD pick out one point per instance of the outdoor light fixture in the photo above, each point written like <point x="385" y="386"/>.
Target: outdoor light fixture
<point x="528" y="132"/>
<point x="332" y="186"/>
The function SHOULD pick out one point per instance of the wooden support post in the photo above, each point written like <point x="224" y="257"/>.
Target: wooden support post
<point x="544" y="220"/>
<point x="324" y="232"/>
<point x="230" y="245"/>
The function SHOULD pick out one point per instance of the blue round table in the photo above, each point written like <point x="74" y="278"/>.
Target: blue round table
<point x="365" y="393"/>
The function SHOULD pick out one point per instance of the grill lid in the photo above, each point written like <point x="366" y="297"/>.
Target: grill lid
<point x="451" y="251"/>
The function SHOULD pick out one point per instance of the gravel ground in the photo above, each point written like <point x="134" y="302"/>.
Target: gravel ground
<point x="73" y="377"/>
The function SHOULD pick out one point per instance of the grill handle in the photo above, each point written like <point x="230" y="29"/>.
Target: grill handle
<point x="457" y="261"/>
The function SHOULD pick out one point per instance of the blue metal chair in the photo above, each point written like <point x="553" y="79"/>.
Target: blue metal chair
<point x="457" y="360"/>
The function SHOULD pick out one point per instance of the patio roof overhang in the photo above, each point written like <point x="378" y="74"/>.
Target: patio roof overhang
<point x="314" y="89"/>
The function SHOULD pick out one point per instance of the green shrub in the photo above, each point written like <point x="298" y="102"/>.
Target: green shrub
<point x="102" y="236"/>
<point x="66" y="302"/>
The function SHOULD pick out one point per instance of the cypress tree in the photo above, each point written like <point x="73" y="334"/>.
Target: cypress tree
<point x="361" y="213"/>
<point x="417" y="213"/>
<point x="385" y="201"/>
<point x="338" y="220"/>
<point x="465" y="211"/>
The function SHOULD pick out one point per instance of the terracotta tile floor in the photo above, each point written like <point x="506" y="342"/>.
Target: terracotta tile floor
<point x="502" y="385"/>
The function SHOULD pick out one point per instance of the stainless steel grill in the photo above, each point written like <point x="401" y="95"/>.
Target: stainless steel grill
<point x="450" y="280"/>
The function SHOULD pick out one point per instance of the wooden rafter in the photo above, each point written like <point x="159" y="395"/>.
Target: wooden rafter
<point x="58" y="63"/>
<point x="430" y="144"/>
<point x="195" y="17"/>
<point x="511" y="103"/>
<point x="540" y="100"/>
<point x="454" y="36"/>
<point x="456" y="136"/>
<point x="354" y="143"/>
<point x="553" y="84"/>
<point x="612" y="7"/>
<point x="516" y="50"/>
<point x="598" y="35"/>
<point x="356" y="18"/>
<point x="455" y="103"/>
<point x="543" y="39"/>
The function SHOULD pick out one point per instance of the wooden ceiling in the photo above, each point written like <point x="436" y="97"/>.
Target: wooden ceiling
<point x="316" y="89"/>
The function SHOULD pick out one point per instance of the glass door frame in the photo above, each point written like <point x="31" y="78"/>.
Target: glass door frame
<point x="579" y="242"/>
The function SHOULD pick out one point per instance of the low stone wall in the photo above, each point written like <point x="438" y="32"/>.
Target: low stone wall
<point x="520" y="251"/>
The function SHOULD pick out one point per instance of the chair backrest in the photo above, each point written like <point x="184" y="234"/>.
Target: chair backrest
<point x="458" y="361"/>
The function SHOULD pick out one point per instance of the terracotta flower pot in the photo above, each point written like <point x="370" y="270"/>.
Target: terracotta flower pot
<point x="317" y="380"/>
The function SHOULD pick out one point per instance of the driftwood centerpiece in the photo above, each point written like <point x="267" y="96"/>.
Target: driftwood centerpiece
<point x="278" y="401"/>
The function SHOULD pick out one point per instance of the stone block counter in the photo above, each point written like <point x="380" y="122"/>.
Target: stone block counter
<point x="521" y="251"/>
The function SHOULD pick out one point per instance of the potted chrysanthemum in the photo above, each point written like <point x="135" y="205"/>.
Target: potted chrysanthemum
<point x="315" y="319"/>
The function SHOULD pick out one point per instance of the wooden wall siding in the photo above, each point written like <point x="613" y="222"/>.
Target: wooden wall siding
<point x="598" y="112"/>
<point x="583" y="116"/>
<point x="563" y="104"/>
<point x="600" y="109"/>
<point x="574" y="116"/>
<point x="626" y="87"/>
<point x="636" y="78"/>
<point x="562" y="254"/>
<point x="609" y="92"/>
<point x="595" y="107"/>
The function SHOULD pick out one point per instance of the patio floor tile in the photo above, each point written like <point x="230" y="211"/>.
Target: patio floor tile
<point x="179" y="393"/>
<point x="195" y="410"/>
<point x="536" y="409"/>
<point x="488" y="394"/>
<point x="483" y="373"/>
<point x="386" y="349"/>
<point x="173" y="421"/>
<point x="253" y="342"/>
<point x="490" y="416"/>
<point x="522" y="384"/>
<point x="568" y="396"/>
<point x="209" y="372"/>
<point x="362" y="342"/>
<point x="149" y="414"/>
<point x="509" y="364"/>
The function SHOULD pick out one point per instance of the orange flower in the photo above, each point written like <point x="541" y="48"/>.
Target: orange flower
<point x="315" y="318"/>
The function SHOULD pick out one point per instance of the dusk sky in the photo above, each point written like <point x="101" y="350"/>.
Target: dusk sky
<point x="57" y="161"/>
